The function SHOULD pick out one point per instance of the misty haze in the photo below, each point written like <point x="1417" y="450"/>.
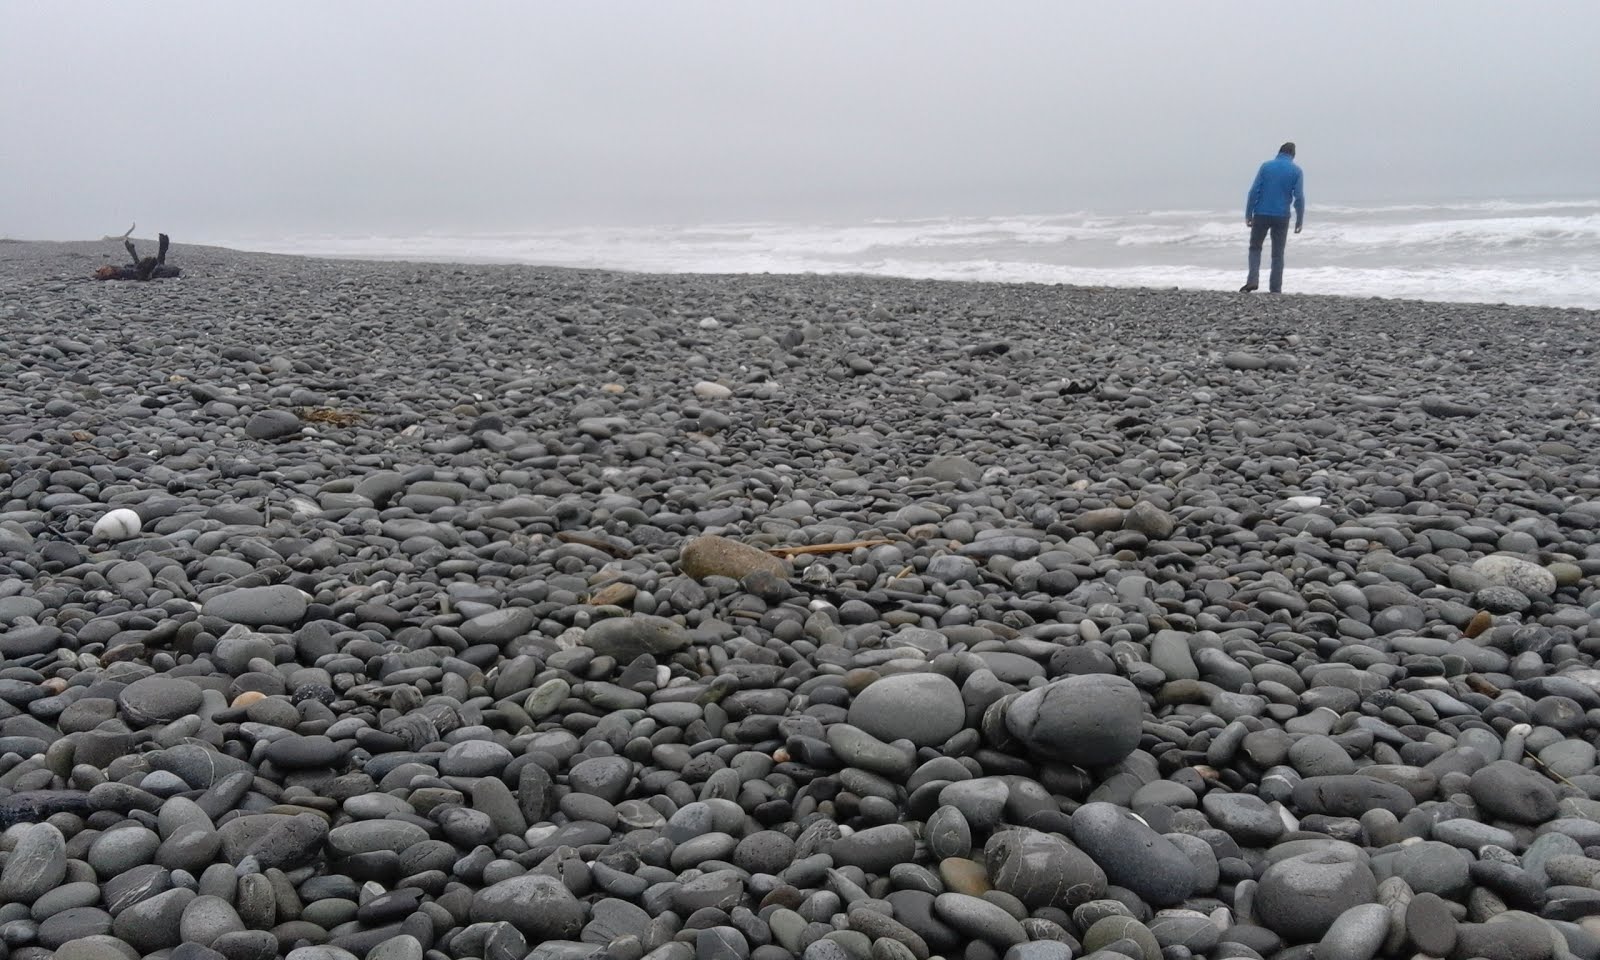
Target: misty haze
<point x="1000" y="141"/>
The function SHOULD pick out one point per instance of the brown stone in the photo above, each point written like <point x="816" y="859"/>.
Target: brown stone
<point x="713" y="556"/>
<point x="248" y="697"/>
<point x="1481" y="621"/>
<point x="614" y="595"/>
<point x="961" y="875"/>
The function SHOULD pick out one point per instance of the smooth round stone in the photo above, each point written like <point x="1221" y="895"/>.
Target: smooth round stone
<point x="1356" y="935"/>
<point x="1189" y="929"/>
<point x="402" y="947"/>
<point x="1472" y="835"/>
<point x="320" y="952"/>
<point x="305" y="753"/>
<point x="1109" y="930"/>
<point x="982" y="801"/>
<point x="1510" y="935"/>
<point x="714" y="556"/>
<point x="74" y="924"/>
<point x="279" y="605"/>
<point x="1319" y="756"/>
<point x="708" y="846"/>
<point x="81" y="893"/>
<point x="207" y="918"/>
<point x="875" y="849"/>
<point x="272" y="425"/>
<point x="370" y="836"/>
<point x="1350" y="796"/>
<point x="234" y="653"/>
<point x="153" y="924"/>
<point x="1243" y="816"/>
<point x="1086" y="721"/>
<point x="979" y="919"/>
<point x="1430" y="925"/>
<point x="873" y="919"/>
<point x="291" y="843"/>
<point x="1523" y="576"/>
<point x="1299" y="898"/>
<point x="960" y="875"/>
<point x="118" y="524"/>
<point x="1013" y="668"/>
<point x="604" y="777"/>
<point x="1038" y="950"/>
<point x="1133" y="855"/>
<point x="859" y="749"/>
<point x="36" y="865"/>
<point x="1170" y="653"/>
<point x="1042" y="870"/>
<point x="498" y="626"/>
<point x="1509" y="791"/>
<point x="628" y="638"/>
<point x="95" y="947"/>
<point x="720" y="943"/>
<point x="765" y="851"/>
<point x="546" y="697"/>
<point x="330" y="911"/>
<point x="925" y="708"/>
<point x="948" y="833"/>
<point x="159" y="699"/>
<point x="117" y="851"/>
<point x="27" y="641"/>
<point x="1432" y="867"/>
<point x="474" y="758"/>
<point x="538" y="905"/>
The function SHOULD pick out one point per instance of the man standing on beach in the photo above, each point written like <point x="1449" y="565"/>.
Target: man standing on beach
<point x="1266" y="210"/>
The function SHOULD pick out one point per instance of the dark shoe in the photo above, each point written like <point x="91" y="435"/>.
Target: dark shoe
<point x="1249" y="288"/>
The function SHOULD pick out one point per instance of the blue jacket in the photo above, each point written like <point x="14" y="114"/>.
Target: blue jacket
<point x="1277" y="182"/>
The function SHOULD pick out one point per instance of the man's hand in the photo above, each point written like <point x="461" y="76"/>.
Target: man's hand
<point x="1249" y="222"/>
<point x="1297" y="228"/>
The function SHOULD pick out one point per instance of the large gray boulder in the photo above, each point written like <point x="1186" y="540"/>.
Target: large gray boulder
<point x="538" y="905"/>
<point x="925" y="708"/>
<point x="627" y="638"/>
<point x="1088" y="721"/>
<point x="1300" y="898"/>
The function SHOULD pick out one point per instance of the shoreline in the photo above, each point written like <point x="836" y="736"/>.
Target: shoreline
<point x="83" y="245"/>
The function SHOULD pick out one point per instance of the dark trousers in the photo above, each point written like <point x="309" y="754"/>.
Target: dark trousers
<point x="1279" y="228"/>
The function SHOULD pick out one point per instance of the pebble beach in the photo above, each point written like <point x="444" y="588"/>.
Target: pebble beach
<point x="414" y="611"/>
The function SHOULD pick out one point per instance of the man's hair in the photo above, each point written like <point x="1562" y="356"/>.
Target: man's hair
<point x="1287" y="148"/>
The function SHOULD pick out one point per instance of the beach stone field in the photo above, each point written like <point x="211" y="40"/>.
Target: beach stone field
<point x="404" y="611"/>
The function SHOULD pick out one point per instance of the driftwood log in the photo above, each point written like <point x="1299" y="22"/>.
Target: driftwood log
<point x="147" y="268"/>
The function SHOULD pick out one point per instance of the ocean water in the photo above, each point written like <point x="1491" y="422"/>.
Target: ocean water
<point x="1500" y="251"/>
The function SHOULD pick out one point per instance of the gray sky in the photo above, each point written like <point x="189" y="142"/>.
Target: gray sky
<point x="213" y="119"/>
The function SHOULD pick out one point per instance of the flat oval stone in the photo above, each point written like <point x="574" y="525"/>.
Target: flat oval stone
<point x="1133" y="855"/>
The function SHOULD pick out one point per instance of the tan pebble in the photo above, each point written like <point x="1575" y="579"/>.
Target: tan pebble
<point x="247" y="698"/>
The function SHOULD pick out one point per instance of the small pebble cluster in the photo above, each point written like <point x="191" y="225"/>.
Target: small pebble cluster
<point x="413" y="612"/>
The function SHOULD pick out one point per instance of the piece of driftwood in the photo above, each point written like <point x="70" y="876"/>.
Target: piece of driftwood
<point x="147" y="268"/>
<point x="594" y="543"/>
<point x="787" y="552"/>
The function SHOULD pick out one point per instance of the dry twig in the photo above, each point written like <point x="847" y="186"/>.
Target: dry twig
<point x="787" y="552"/>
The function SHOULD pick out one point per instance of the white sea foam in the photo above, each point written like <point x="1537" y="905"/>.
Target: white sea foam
<point x="1524" y="252"/>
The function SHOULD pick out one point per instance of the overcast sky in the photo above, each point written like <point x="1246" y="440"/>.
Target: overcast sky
<point x="216" y="119"/>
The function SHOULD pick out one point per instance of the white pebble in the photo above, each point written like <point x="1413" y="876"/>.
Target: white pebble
<point x="706" y="390"/>
<point x="709" y="323"/>
<point x="119" y="524"/>
<point x="1302" y="503"/>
